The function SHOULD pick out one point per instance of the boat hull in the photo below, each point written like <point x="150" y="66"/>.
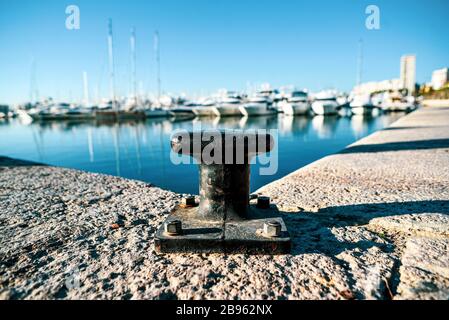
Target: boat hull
<point x="24" y="116"/>
<point x="256" y="109"/>
<point x="208" y="111"/>
<point x="182" y="113"/>
<point x="157" y="113"/>
<point x="325" y="107"/>
<point x="295" y="108"/>
<point x="363" y="110"/>
<point x="229" y="110"/>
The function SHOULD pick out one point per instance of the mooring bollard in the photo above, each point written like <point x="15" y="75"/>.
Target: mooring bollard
<point x="224" y="220"/>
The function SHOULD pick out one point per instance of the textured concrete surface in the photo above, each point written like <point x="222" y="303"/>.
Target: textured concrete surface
<point x="393" y="185"/>
<point x="368" y="223"/>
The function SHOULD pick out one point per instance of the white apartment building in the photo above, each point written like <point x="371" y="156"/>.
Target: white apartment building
<point x="439" y="78"/>
<point x="408" y="73"/>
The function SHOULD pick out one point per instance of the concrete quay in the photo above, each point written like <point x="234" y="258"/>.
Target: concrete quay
<point x="371" y="222"/>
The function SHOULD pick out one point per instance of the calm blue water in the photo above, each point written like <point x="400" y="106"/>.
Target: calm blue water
<point x="140" y="150"/>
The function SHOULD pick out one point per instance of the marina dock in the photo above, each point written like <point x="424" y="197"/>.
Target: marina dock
<point x="370" y="222"/>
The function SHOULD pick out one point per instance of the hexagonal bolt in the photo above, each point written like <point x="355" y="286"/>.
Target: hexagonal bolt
<point x="173" y="227"/>
<point x="272" y="229"/>
<point x="189" y="201"/>
<point x="263" y="202"/>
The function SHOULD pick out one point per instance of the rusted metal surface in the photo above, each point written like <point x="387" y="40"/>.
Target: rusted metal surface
<point x="224" y="221"/>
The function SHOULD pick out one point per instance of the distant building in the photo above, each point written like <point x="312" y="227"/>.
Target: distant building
<point x="377" y="86"/>
<point x="439" y="78"/>
<point x="408" y="73"/>
<point x="407" y="80"/>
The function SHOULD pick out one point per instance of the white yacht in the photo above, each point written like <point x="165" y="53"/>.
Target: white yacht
<point x="182" y="112"/>
<point x="256" y="109"/>
<point x="166" y="101"/>
<point x="229" y="105"/>
<point x="205" y="108"/>
<point x="325" y="103"/>
<point x="361" y="104"/>
<point x="296" y="103"/>
<point x="269" y="93"/>
<point x="229" y="110"/>
<point x="24" y="116"/>
<point x="396" y="102"/>
<point x="343" y="100"/>
<point x="57" y="111"/>
<point x="377" y="99"/>
<point x="206" y="111"/>
<point x="258" y="105"/>
<point x="260" y="99"/>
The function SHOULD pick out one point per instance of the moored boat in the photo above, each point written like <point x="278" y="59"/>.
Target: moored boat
<point x="256" y="109"/>
<point x="296" y="104"/>
<point x="325" y="103"/>
<point x="205" y="111"/>
<point x="229" y="110"/>
<point x="182" y="112"/>
<point x="229" y="105"/>
<point x="157" y="113"/>
<point x="361" y="104"/>
<point x="397" y="103"/>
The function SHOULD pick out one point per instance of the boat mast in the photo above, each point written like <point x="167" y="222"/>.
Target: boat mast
<point x="86" y="89"/>
<point x="158" y="64"/>
<point x="97" y="94"/>
<point x="133" y="63"/>
<point x="360" y="63"/>
<point x="34" y="92"/>
<point x="111" y="64"/>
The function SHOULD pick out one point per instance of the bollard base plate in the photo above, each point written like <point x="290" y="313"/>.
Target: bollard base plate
<point x="242" y="236"/>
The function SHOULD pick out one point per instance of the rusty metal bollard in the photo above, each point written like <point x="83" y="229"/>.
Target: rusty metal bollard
<point x="223" y="220"/>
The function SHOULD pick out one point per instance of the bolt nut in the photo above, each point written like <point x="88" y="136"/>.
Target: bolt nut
<point x="272" y="229"/>
<point x="173" y="227"/>
<point x="189" y="201"/>
<point x="263" y="202"/>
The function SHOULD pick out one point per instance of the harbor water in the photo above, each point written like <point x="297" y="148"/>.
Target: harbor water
<point x="141" y="149"/>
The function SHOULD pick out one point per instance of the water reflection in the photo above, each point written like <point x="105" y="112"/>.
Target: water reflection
<point x="325" y="126"/>
<point x="294" y="126"/>
<point x="140" y="149"/>
<point x="361" y="124"/>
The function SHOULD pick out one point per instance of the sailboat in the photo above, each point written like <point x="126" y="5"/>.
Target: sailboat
<point x="157" y="110"/>
<point x="108" y="110"/>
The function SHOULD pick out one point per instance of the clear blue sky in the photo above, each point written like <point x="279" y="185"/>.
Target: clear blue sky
<point x="211" y="44"/>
